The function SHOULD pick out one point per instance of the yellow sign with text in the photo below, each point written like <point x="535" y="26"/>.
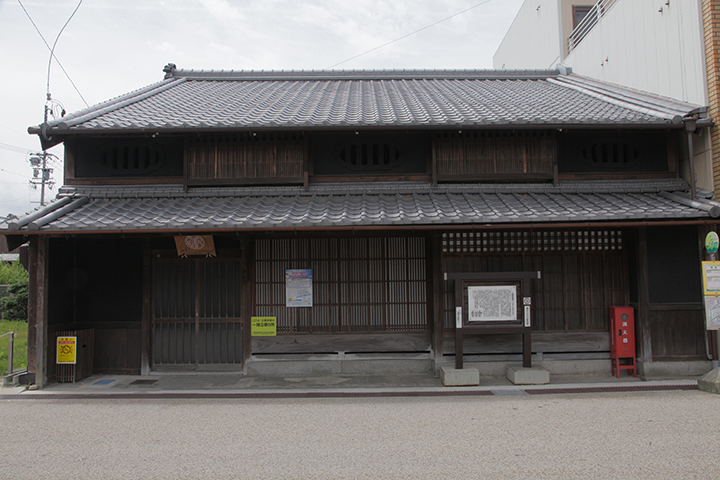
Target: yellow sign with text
<point x="66" y="349"/>
<point x="263" y="326"/>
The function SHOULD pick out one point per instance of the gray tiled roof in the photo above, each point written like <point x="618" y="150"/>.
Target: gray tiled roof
<point x="169" y="208"/>
<point x="189" y="100"/>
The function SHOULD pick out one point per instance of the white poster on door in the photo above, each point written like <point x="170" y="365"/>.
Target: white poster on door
<point x="298" y="288"/>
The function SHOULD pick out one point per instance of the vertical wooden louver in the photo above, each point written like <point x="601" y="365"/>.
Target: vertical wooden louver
<point x="359" y="284"/>
<point x="494" y="155"/>
<point x="227" y="159"/>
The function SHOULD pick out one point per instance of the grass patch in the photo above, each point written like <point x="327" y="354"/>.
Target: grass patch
<point x="21" y="341"/>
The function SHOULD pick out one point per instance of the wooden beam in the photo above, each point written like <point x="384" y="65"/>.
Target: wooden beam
<point x="37" y="310"/>
<point x="643" y="311"/>
<point x="435" y="290"/>
<point x="341" y="342"/>
<point x="247" y="300"/>
<point x="146" y="332"/>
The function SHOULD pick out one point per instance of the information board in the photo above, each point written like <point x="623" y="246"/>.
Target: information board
<point x="711" y="278"/>
<point x="496" y="303"/>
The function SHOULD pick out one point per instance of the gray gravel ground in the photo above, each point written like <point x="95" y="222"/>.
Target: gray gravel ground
<point x="637" y="435"/>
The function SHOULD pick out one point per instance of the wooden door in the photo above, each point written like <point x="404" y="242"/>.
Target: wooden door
<point x="196" y="322"/>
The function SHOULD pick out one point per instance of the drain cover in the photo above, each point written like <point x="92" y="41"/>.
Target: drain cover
<point x="143" y="382"/>
<point x="509" y="392"/>
<point x="103" y="382"/>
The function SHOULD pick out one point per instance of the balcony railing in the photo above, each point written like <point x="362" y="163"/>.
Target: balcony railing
<point x="593" y="17"/>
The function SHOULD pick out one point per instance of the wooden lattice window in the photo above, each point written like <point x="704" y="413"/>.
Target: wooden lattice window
<point x="370" y="156"/>
<point x="359" y="284"/>
<point x="126" y="160"/>
<point x="582" y="272"/>
<point x="532" y="241"/>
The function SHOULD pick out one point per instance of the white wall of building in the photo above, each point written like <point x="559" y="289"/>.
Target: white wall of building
<point x="533" y="40"/>
<point x="662" y="52"/>
<point x="638" y="46"/>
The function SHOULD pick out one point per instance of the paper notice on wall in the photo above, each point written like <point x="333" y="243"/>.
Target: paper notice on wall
<point x="298" y="288"/>
<point x="497" y="303"/>
<point x="712" y="312"/>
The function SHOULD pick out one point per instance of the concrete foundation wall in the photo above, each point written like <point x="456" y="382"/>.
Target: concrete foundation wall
<point x="319" y="365"/>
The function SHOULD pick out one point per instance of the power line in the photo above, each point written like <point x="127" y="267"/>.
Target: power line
<point x="52" y="53"/>
<point x="14" y="148"/>
<point x="408" y="35"/>
<point x="18" y="174"/>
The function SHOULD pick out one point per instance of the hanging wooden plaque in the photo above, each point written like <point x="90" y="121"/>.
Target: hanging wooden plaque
<point x="195" y="245"/>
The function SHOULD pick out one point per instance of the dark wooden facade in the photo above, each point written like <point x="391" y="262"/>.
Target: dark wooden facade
<point x="375" y="291"/>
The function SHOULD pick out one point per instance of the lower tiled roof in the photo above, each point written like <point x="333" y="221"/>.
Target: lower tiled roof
<point x="170" y="208"/>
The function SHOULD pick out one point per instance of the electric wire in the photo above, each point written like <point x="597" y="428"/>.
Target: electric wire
<point x="408" y="35"/>
<point x="7" y="171"/>
<point x="53" y="53"/>
<point x="14" y="148"/>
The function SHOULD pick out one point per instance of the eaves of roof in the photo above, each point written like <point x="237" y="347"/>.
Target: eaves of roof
<point x="153" y="209"/>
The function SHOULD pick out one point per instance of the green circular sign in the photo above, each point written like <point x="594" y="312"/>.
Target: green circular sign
<point x="712" y="242"/>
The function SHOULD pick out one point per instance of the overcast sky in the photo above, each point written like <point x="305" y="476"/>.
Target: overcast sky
<point x="111" y="47"/>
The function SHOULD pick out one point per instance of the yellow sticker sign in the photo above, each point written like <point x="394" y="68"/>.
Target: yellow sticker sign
<point x="263" y="326"/>
<point x="66" y="349"/>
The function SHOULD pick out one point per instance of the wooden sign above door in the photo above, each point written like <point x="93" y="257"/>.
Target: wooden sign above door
<point x="195" y="245"/>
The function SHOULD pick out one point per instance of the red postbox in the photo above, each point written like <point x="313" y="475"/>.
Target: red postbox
<point x="622" y="340"/>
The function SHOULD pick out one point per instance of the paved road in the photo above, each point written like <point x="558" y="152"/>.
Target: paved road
<point x="648" y="435"/>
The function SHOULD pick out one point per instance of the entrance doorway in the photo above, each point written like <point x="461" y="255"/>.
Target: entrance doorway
<point x="196" y="322"/>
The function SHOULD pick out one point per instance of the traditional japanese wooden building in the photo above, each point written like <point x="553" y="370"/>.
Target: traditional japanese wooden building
<point x="379" y="183"/>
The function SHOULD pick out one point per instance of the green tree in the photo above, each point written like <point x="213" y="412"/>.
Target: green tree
<point x="11" y="273"/>
<point x="14" y="307"/>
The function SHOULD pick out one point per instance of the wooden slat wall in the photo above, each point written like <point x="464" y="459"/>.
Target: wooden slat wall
<point x="241" y="157"/>
<point x="359" y="284"/>
<point x="583" y="272"/>
<point x="493" y="152"/>
<point x="677" y="331"/>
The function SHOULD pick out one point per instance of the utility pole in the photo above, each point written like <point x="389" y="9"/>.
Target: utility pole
<point x="42" y="174"/>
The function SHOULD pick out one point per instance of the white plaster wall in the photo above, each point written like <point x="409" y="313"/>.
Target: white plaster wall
<point x="533" y="40"/>
<point x="638" y="46"/>
<point x="703" y="159"/>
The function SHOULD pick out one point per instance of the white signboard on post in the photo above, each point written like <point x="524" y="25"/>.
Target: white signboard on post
<point x="496" y="303"/>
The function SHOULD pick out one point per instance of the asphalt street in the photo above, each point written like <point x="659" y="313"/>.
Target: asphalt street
<point x="653" y="434"/>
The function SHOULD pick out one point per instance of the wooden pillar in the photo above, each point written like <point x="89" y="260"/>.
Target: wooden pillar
<point x="642" y="321"/>
<point x="37" y="310"/>
<point x="435" y="279"/>
<point x="247" y="301"/>
<point x="146" y="327"/>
